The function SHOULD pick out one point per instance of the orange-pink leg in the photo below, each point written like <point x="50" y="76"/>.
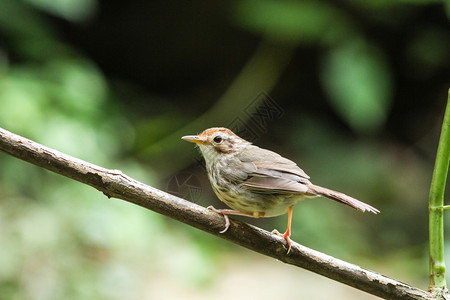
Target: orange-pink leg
<point x="287" y="234"/>
<point x="226" y="212"/>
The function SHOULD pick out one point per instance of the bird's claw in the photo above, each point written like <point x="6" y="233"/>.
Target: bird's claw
<point x="286" y="237"/>
<point x="276" y="232"/>
<point x="225" y="216"/>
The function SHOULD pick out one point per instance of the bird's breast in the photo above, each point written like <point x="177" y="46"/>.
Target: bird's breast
<point x="241" y="199"/>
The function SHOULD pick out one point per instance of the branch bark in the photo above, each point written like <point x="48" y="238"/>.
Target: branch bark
<point x="114" y="183"/>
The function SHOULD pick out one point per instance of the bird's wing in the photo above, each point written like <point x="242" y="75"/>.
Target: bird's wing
<point x="237" y="171"/>
<point x="274" y="185"/>
<point x="266" y="159"/>
<point x="273" y="172"/>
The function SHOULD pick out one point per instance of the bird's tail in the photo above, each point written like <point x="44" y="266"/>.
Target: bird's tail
<point x="340" y="197"/>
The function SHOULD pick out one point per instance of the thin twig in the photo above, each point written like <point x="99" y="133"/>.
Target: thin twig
<point x="436" y="207"/>
<point x="113" y="183"/>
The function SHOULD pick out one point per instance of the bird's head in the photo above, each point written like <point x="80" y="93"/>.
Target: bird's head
<point x="216" y="142"/>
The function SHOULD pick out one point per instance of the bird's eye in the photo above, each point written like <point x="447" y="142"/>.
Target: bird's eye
<point x="218" y="139"/>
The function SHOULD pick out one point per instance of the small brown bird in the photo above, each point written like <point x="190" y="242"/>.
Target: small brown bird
<point x="257" y="182"/>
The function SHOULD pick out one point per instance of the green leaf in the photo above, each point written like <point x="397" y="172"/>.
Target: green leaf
<point x="391" y="3"/>
<point x="290" y="21"/>
<point x="357" y="80"/>
<point x="72" y="10"/>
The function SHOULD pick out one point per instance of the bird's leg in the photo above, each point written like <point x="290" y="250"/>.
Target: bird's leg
<point x="226" y="212"/>
<point x="287" y="234"/>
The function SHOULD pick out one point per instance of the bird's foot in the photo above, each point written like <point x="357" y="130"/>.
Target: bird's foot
<point x="285" y="236"/>
<point x="224" y="214"/>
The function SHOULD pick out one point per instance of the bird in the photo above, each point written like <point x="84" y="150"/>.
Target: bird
<point x="257" y="182"/>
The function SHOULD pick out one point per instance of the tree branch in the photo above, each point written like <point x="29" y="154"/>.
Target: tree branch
<point x="113" y="183"/>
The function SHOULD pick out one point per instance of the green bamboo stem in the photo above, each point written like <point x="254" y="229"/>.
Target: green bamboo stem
<point x="436" y="206"/>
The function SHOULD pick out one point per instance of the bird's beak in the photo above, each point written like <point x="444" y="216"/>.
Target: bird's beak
<point x="194" y="139"/>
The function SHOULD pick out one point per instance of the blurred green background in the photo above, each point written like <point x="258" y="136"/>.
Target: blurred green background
<point x="359" y="88"/>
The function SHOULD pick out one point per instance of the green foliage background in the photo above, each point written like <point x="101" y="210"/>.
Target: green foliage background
<point x="363" y="87"/>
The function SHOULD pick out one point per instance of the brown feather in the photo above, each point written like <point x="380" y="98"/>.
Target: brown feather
<point x="274" y="185"/>
<point x="340" y="197"/>
<point x="266" y="159"/>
